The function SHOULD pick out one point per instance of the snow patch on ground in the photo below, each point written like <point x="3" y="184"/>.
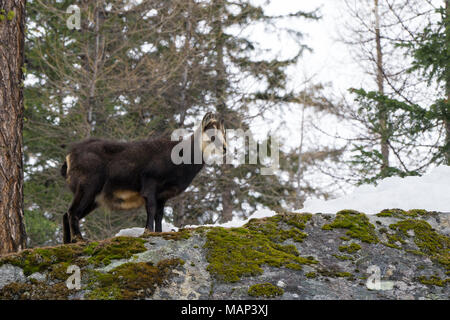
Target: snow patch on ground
<point x="430" y="192"/>
<point x="137" y="232"/>
<point x="236" y="222"/>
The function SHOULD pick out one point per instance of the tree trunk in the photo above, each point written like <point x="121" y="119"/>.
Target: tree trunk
<point x="447" y="84"/>
<point x="380" y="83"/>
<point x="12" y="229"/>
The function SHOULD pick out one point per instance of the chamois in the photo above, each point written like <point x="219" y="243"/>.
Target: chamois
<point x="128" y="175"/>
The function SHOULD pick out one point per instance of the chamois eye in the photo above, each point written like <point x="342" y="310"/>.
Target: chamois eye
<point x="213" y="138"/>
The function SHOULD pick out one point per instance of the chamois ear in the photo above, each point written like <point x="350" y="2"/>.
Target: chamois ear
<point x="207" y="119"/>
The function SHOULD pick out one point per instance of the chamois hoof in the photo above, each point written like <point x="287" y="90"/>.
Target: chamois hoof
<point x="78" y="239"/>
<point x="148" y="233"/>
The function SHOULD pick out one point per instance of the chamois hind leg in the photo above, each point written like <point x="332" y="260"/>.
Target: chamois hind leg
<point x="83" y="203"/>
<point x="159" y="215"/>
<point x="66" y="229"/>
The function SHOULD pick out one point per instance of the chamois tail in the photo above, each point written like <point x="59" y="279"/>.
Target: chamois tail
<point x="64" y="169"/>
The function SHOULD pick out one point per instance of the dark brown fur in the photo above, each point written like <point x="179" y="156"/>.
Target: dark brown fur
<point x="126" y="175"/>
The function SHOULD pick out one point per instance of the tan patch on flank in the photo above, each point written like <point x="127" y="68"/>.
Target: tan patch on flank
<point x="128" y="199"/>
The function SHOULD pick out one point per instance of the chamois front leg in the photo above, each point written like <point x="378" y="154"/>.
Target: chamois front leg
<point x="149" y="194"/>
<point x="159" y="215"/>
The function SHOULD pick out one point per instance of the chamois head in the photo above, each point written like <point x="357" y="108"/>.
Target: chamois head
<point x="213" y="135"/>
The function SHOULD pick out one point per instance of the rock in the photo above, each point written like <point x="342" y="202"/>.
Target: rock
<point x="10" y="274"/>
<point x="38" y="277"/>
<point x="394" y="255"/>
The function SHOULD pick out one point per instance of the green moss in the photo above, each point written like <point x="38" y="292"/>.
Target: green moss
<point x="391" y="245"/>
<point x="393" y="239"/>
<point x="391" y="213"/>
<point x="343" y="258"/>
<point x="10" y="15"/>
<point x="34" y="291"/>
<point x="429" y="242"/>
<point x="57" y="259"/>
<point x="298" y="220"/>
<point x="58" y="271"/>
<point x="311" y="275"/>
<point x="89" y="249"/>
<point x="335" y="274"/>
<point x="418" y="212"/>
<point x="399" y="213"/>
<point x="352" y="248"/>
<point x="236" y="252"/>
<point x="344" y="275"/>
<point x="434" y="281"/>
<point x="271" y="228"/>
<point x="265" y="290"/>
<point x="131" y="280"/>
<point x="116" y="248"/>
<point x="40" y="259"/>
<point x="356" y="223"/>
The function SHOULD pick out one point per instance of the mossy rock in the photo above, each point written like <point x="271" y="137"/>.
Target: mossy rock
<point x="265" y="290"/>
<point x="351" y="248"/>
<point x="434" y="281"/>
<point x="35" y="291"/>
<point x="131" y="280"/>
<point x="298" y="220"/>
<point x="430" y="243"/>
<point x="356" y="223"/>
<point x="236" y="252"/>
<point x="115" y="248"/>
<point x="402" y="214"/>
<point x="335" y="274"/>
<point x="40" y="259"/>
<point x="272" y="227"/>
<point x="311" y="275"/>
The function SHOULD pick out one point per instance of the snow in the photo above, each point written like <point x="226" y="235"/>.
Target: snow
<point x="430" y="192"/>
<point x="137" y="232"/>
<point x="167" y="227"/>
<point x="236" y="222"/>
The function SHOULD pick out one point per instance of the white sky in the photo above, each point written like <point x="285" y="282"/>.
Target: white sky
<point x="329" y="62"/>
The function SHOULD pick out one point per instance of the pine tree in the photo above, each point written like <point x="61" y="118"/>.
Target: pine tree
<point x="12" y="33"/>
